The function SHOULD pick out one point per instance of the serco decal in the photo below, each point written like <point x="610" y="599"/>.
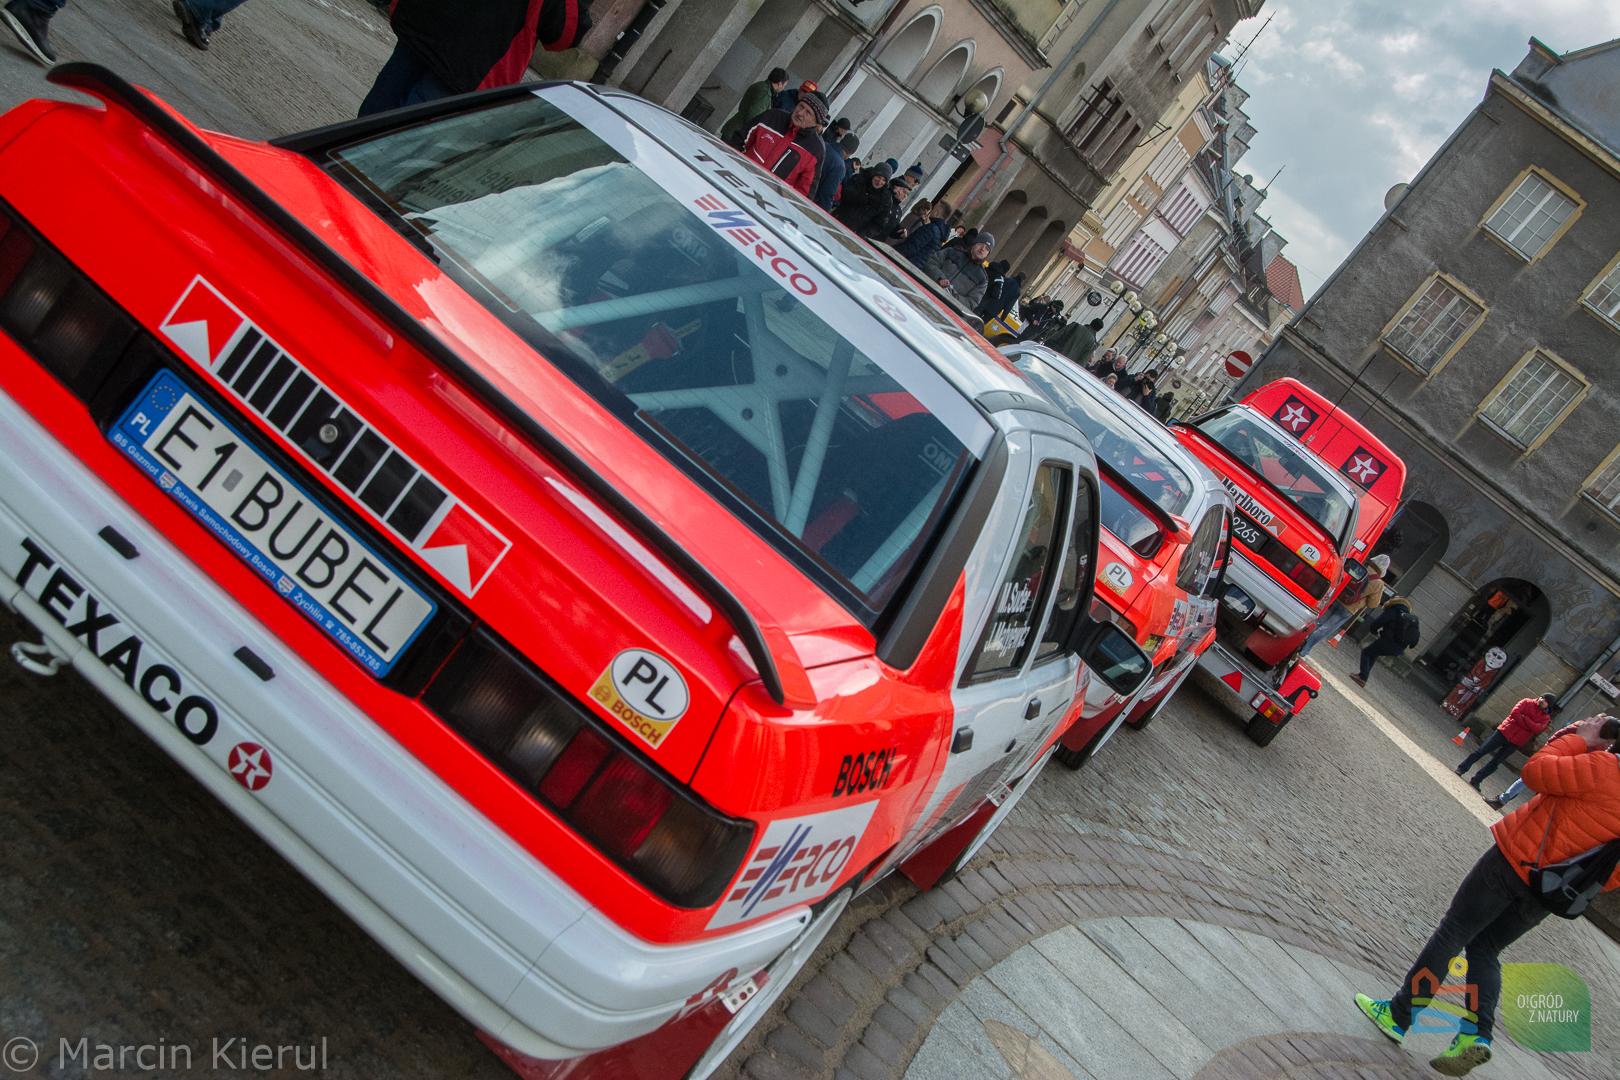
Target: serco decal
<point x="797" y="861"/>
<point x="1247" y="503"/>
<point x="644" y="692"/>
<point x="333" y="437"/>
<point x="745" y="231"/>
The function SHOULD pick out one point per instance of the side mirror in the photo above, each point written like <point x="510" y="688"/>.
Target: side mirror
<point x="1355" y="570"/>
<point x="1115" y="659"/>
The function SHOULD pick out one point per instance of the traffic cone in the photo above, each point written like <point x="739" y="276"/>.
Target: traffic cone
<point x="1460" y="737"/>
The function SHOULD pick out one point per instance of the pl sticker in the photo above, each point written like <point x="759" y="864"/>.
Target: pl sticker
<point x="1117" y="577"/>
<point x="645" y="692"/>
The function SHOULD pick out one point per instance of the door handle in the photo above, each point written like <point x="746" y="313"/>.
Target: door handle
<point x="1033" y="709"/>
<point x="963" y="740"/>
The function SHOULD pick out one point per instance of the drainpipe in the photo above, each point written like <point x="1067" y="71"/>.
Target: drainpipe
<point x="1051" y="80"/>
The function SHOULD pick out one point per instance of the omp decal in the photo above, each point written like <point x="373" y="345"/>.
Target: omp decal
<point x="745" y="231"/>
<point x="1117" y="576"/>
<point x="333" y="437"/>
<point x="250" y="764"/>
<point x="1363" y="467"/>
<point x="1247" y="503"/>
<point x="863" y="772"/>
<point x="112" y="641"/>
<point x="797" y="861"/>
<point x="645" y="692"/>
<point x="1295" y="416"/>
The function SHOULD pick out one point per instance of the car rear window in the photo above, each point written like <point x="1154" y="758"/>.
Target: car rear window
<point x="838" y="445"/>
<point x="1281" y="463"/>
<point x="1134" y="526"/>
<point x="1115" y="442"/>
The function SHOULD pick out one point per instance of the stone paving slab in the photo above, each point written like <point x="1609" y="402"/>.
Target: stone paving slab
<point x="1133" y="997"/>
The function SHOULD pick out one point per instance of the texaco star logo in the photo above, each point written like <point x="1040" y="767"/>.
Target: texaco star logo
<point x="1295" y="415"/>
<point x="1363" y="467"/>
<point x="250" y="764"/>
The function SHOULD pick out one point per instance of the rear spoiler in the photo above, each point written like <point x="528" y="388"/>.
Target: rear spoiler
<point x="114" y="91"/>
<point x="1175" y="527"/>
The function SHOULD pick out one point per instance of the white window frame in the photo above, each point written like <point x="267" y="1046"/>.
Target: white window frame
<point x="1510" y="402"/>
<point x="1512" y="230"/>
<point x="1420" y="306"/>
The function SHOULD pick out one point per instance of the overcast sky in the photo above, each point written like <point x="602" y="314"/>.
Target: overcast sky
<point x="1352" y="96"/>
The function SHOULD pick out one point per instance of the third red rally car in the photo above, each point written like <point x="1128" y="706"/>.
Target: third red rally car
<point x="579" y="557"/>
<point x="1314" y="490"/>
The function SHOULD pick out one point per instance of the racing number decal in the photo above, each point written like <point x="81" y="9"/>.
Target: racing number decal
<point x="645" y="693"/>
<point x="797" y="861"/>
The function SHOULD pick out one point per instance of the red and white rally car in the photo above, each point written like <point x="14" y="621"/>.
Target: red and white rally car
<point x="1166" y="538"/>
<point x="578" y="556"/>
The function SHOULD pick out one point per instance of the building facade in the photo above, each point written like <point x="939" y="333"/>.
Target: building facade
<point x="1474" y="329"/>
<point x="1073" y="86"/>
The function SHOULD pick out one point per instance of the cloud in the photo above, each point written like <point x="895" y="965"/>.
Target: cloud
<point x="1356" y="95"/>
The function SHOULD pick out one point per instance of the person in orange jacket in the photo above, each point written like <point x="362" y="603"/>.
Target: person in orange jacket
<point x="1524" y="722"/>
<point x="1577" y="807"/>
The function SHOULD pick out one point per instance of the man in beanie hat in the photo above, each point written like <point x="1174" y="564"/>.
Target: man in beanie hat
<point x="866" y="203"/>
<point x="789" y="144"/>
<point x="962" y="271"/>
<point x="1352" y="603"/>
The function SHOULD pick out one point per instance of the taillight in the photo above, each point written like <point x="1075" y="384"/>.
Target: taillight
<point x="545" y="741"/>
<point x="54" y="311"/>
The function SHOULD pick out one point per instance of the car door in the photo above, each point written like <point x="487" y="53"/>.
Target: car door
<point x="1018" y="679"/>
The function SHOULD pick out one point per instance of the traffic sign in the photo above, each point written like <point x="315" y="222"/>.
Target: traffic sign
<point x="1238" y="364"/>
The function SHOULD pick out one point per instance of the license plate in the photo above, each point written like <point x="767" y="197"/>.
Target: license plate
<point x="284" y="534"/>
<point x="1247" y="531"/>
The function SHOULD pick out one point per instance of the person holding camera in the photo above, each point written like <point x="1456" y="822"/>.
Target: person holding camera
<point x="1524" y="722"/>
<point x="1574" y="816"/>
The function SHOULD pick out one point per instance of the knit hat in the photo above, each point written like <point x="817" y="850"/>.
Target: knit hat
<point x="915" y="171"/>
<point x="882" y="169"/>
<point x="850" y="144"/>
<point x="894" y="166"/>
<point x="818" y="103"/>
<point x="1379" y="563"/>
<point x="985" y="238"/>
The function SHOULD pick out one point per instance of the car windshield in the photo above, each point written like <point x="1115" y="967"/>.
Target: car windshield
<point x="1280" y="462"/>
<point x="822" y="431"/>
<point x="1115" y="442"/>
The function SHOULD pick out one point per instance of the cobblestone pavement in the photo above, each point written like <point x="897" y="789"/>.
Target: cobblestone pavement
<point x="133" y="908"/>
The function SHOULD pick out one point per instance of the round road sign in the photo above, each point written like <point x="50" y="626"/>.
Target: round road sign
<point x="1238" y="364"/>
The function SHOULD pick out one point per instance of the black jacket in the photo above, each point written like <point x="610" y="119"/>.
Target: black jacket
<point x="865" y="209"/>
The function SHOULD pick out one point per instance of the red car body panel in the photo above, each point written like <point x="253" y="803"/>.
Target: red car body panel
<point x="155" y="214"/>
